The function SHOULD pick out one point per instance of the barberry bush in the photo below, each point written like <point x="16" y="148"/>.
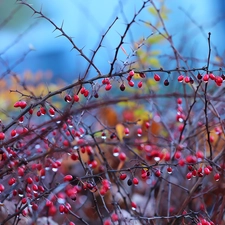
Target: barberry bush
<point x="141" y="142"/>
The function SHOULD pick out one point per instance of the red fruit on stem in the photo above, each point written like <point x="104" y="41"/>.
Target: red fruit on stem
<point x="139" y="132"/>
<point x="180" y="78"/>
<point x="68" y="178"/>
<point x="212" y="76"/>
<point x="135" y="181"/>
<point x="140" y="84"/>
<point x="122" y="156"/>
<point x="13" y="133"/>
<point x="187" y="79"/>
<point x="133" y="205"/>
<point x="108" y="87"/>
<point x="217" y="177"/>
<point x="131" y="73"/>
<point x="114" y="217"/>
<point x="131" y="83"/>
<point x="12" y="181"/>
<point x="179" y="101"/>
<point x="51" y="111"/>
<point x="156" y="77"/>
<point x="68" y="98"/>
<point x="123" y="176"/>
<point x="2" y="136"/>
<point x="76" y="98"/>
<point x="29" y="180"/>
<point x="157" y="173"/>
<point x="169" y="170"/>
<point x="206" y="78"/>
<point x="189" y="175"/>
<point x="126" y="131"/>
<point x="86" y="93"/>
<point x="61" y="208"/>
<point x="2" y="188"/>
<point x="17" y="104"/>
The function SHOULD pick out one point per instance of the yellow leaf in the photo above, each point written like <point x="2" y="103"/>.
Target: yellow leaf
<point x="120" y="131"/>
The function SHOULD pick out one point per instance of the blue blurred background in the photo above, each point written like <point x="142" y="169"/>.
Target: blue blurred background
<point x="86" y="21"/>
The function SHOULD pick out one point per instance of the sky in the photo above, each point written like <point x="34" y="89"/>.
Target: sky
<point x="87" y="20"/>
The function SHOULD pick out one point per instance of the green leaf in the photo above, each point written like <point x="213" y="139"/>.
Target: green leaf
<point x="152" y="11"/>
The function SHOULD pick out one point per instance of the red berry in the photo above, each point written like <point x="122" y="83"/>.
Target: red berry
<point x="167" y="156"/>
<point x="105" y="81"/>
<point x="122" y="156"/>
<point x="217" y="177"/>
<point x="135" y="181"/>
<point x="177" y="154"/>
<point x="139" y="132"/>
<point x="17" y="104"/>
<point x="76" y="98"/>
<point x="107" y="222"/>
<point x="140" y="84"/>
<point x="206" y="78"/>
<point x="126" y="131"/>
<point x="31" y="111"/>
<point x="114" y="217"/>
<point x="74" y="156"/>
<point x="187" y="79"/>
<point x="61" y="208"/>
<point x="212" y="76"/>
<point x="156" y="77"/>
<point x="20" y="171"/>
<point x="68" y="98"/>
<point x="48" y="203"/>
<point x="52" y="210"/>
<point x="12" y="181"/>
<point x="131" y="83"/>
<point x="86" y="93"/>
<point x="38" y="113"/>
<point x="131" y="73"/>
<point x="71" y="223"/>
<point x="68" y="178"/>
<point x="2" y="188"/>
<point x="82" y="90"/>
<point x="108" y="87"/>
<point x="51" y="111"/>
<point x="157" y="173"/>
<point x="180" y="78"/>
<point x="13" y="133"/>
<point x="35" y="187"/>
<point x="189" y="175"/>
<point x="133" y="205"/>
<point x="206" y="171"/>
<point x="29" y="180"/>
<point x="2" y="136"/>
<point x="123" y="176"/>
<point x="43" y="110"/>
<point x="169" y="170"/>
<point x="199" y="155"/>
<point x="24" y="201"/>
<point x="179" y="101"/>
<point x="23" y="104"/>
<point x="34" y="206"/>
<point x="147" y="125"/>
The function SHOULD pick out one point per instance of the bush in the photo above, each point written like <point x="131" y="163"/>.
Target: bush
<point x="133" y="145"/>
